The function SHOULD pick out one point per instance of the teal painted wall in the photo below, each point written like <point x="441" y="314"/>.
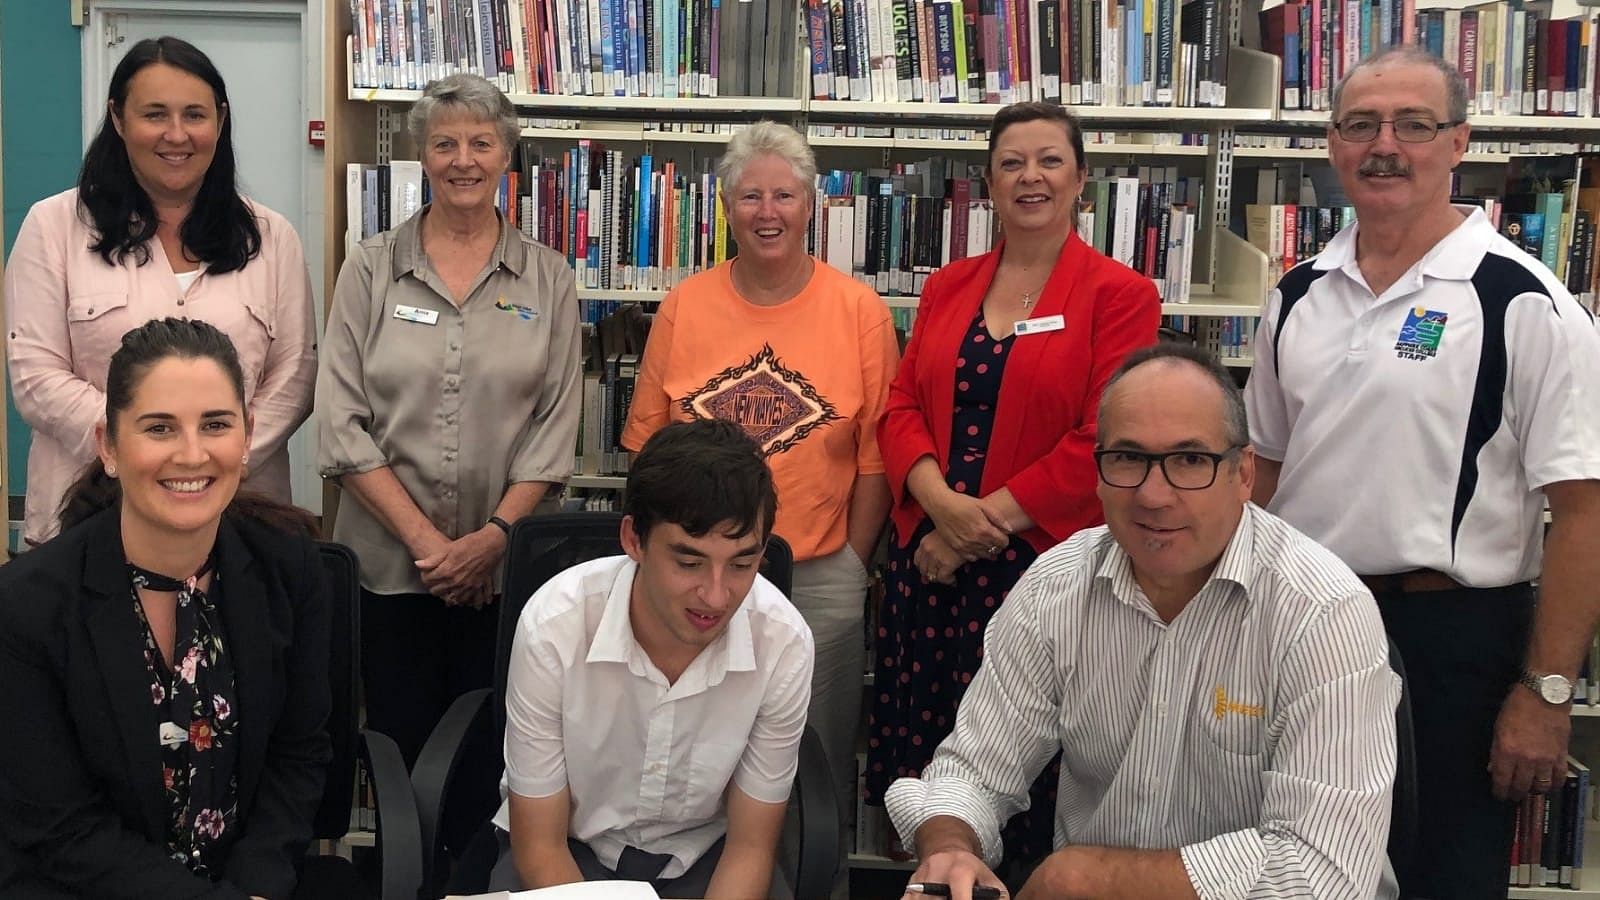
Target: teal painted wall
<point x="41" y="129"/>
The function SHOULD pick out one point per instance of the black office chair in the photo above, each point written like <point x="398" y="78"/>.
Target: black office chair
<point x="540" y="548"/>
<point x="1403" y="812"/>
<point x="399" y="837"/>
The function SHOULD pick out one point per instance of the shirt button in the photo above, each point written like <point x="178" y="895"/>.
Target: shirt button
<point x="180" y="301"/>
<point x="91" y="310"/>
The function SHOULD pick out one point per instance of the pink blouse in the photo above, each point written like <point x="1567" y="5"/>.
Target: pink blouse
<point x="66" y="312"/>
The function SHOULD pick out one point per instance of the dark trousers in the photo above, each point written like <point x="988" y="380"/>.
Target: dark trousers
<point x="1462" y="651"/>
<point x="633" y="865"/>
<point x="417" y="656"/>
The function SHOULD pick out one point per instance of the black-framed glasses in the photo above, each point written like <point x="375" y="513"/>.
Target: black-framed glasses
<point x="1407" y="129"/>
<point x="1186" y="470"/>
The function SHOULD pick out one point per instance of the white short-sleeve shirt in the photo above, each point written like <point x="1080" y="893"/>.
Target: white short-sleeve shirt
<point x="648" y="763"/>
<point x="1416" y="428"/>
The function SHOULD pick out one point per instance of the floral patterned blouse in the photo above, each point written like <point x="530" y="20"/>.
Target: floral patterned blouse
<point x="195" y="702"/>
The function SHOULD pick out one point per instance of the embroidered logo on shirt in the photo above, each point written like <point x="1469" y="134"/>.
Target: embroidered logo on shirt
<point x="775" y="405"/>
<point x="1222" y="706"/>
<point x="1421" y="333"/>
<point x="525" y="313"/>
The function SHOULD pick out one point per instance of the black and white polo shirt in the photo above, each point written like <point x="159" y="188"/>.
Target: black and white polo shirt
<point x="1416" y="428"/>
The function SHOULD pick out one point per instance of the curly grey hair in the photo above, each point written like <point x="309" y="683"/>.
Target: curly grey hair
<point x="767" y="138"/>
<point x="472" y="96"/>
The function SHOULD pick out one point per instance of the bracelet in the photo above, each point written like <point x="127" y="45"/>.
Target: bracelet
<point x="501" y="524"/>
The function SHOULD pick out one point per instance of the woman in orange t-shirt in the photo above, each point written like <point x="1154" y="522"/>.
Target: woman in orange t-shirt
<point x="800" y="355"/>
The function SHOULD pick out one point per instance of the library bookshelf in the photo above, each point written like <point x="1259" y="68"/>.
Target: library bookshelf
<point x="1230" y="276"/>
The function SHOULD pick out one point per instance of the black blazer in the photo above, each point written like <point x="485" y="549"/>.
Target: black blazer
<point x="82" y="807"/>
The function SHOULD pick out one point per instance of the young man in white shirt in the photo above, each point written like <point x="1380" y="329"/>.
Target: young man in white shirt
<point x="655" y="700"/>
<point x="1217" y="684"/>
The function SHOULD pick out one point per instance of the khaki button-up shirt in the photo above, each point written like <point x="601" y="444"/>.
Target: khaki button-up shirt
<point x="459" y="402"/>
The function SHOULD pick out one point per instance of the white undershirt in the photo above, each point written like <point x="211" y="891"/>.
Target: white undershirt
<point x="185" y="279"/>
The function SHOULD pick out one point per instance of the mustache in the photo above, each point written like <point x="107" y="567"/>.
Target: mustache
<point x="1383" y="165"/>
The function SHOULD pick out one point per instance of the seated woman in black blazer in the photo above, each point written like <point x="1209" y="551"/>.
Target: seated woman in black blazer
<point x="164" y="661"/>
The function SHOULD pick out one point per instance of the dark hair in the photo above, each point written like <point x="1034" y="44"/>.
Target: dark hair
<point x="220" y="229"/>
<point x="698" y="475"/>
<point x="142" y="348"/>
<point x="1031" y="111"/>
<point x="1235" y="424"/>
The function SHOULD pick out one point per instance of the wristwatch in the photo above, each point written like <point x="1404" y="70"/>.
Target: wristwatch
<point x="501" y="524"/>
<point x="1552" y="689"/>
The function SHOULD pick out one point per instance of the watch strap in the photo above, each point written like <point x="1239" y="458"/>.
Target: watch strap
<point x="1535" y="683"/>
<point x="501" y="524"/>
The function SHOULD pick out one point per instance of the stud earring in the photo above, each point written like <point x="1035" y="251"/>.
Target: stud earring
<point x="111" y="471"/>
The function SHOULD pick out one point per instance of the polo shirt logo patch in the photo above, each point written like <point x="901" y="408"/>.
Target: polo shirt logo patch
<point x="525" y="313"/>
<point x="1421" y="333"/>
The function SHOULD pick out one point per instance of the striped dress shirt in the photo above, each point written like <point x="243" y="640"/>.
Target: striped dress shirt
<point x="1255" y="732"/>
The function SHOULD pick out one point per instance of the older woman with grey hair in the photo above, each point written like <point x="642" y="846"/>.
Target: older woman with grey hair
<point x="800" y="355"/>
<point x="448" y="406"/>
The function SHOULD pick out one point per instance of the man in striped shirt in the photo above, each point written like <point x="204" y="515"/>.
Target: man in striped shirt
<point x="1217" y="684"/>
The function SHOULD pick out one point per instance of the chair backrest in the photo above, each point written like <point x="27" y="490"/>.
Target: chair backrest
<point x="541" y="547"/>
<point x="342" y="571"/>
<point x="1403" y="812"/>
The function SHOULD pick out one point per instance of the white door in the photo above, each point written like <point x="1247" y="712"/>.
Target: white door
<point x="267" y="51"/>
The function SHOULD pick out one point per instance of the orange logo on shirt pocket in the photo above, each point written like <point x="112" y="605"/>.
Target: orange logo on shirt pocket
<point x="1222" y="706"/>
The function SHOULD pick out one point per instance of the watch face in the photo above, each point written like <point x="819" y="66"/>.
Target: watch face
<point x="1555" y="689"/>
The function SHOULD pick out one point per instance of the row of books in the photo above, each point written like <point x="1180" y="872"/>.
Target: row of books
<point x="648" y="48"/>
<point x="1144" y="217"/>
<point x="1111" y="52"/>
<point x="1550" y="207"/>
<point x="1320" y="40"/>
<point x="978" y="138"/>
<point x="1548" y="845"/>
<point x="638" y="223"/>
<point x="1290" y="233"/>
<point x="613" y="347"/>
<point x="1515" y="56"/>
<point x="641" y="223"/>
<point x="1509" y="146"/>
<point x="1229" y="337"/>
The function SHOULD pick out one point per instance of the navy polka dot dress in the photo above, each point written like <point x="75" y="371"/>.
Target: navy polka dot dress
<point x="930" y="636"/>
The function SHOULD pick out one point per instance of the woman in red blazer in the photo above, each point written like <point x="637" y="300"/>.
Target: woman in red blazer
<point x="988" y="434"/>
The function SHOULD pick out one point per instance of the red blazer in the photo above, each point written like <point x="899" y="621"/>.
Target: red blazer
<point x="1044" y="422"/>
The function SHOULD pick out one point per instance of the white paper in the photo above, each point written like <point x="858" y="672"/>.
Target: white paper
<point x="583" y="890"/>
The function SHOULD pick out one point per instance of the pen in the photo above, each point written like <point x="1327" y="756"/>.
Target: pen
<point x="939" y="889"/>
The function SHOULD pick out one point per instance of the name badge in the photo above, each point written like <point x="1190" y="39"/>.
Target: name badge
<point x="423" y="316"/>
<point x="1039" y="325"/>
<point x="172" y="735"/>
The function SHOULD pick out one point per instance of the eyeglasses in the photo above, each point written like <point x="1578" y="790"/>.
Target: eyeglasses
<point x="1186" y="470"/>
<point x="1407" y="129"/>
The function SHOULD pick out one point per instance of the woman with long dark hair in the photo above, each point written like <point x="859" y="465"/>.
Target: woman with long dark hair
<point x="155" y="227"/>
<point x="165" y="658"/>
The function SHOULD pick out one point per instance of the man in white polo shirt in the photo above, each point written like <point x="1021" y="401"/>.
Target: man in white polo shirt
<point x="1420" y="389"/>
<point x="656" y="700"/>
